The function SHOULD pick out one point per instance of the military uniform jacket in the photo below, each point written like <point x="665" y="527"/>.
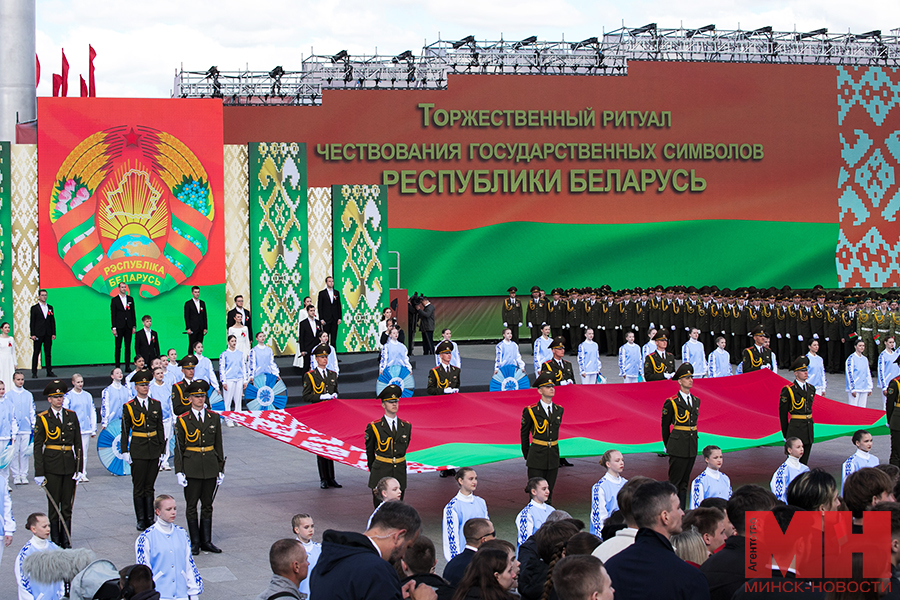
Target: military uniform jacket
<point x="575" y="316"/>
<point x="609" y="316"/>
<point x="717" y="318"/>
<point x="560" y="373"/>
<point x="754" y="316"/>
<point x="798" y="403"/>
<point x="198" y="446"/>
<point x="57" y="444"/>
<point x="592" y="314"/>
<point x="181" y="402"/>
<point x="739" y="320"/>
<point x="558" y="313"/>
<point x="767" y="318"/>
<point x="537" y="312"/>
<point x="704" y="319"/>
<point x="679" y="426"/>
<point x="753" y="360"/>
<point x="642" y="315"/>
<point x="142" y="430"/>
<point x="655" y="367"/>
<point x="439" y="379"/>
<point x="832" y="325"/>
<point x="690" y="314"/>
<point x="386" y="450"/>
<point x="512" y="312"/>
<point x="314" y="385"/>
<point x="848" y="326"/>
<point x="626" y="316"/>
<point x="542" y="450"/>
<point x="817" y="320"/>
<point x="655" y="310"/>
<point x="893" y="403"/>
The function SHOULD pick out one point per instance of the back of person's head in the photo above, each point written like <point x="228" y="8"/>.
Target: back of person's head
<point x="894" y="509"/>
<point x="419" y="557"/>
<point x="551" y="539"/>
<point x="720" y="503"/>
<point x="704" y="520"/>
<point x="397" y="515"/>
<point x="475" y="529"/>
<point x="864" y="487"/>
<point x="892" y="471"/>
<point x="748" y="498"/>
<point x="498" y="544"/>
<point x="812" y="490"/>
<point x="613" y="523"/>
<point x="650" y="500"/>
<point x="623" y="498"/>
<point x="583" y="542"/>
<point x="482" y="573"/>
<point x="135" y="579"/>
<point x="557" y="515"/>
<point x="578" y="577"/>
<point x="690" y="547"/>
<point x="282" y="555"/>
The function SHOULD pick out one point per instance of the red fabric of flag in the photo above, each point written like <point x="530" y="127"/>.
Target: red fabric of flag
<point x="64" y="86"/>
<point x="57" y="83"/>
<point x="84" y="87"/>
<point x="92" y="54"/>
<point x="37" y="70"/>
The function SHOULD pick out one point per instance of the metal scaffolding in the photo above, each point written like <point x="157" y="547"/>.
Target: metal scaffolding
<point x="606" y="55"/>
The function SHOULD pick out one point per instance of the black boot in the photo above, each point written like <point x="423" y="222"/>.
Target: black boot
<point x="139" y="513"/>
<point x="149" y="512"/>
<point x="64" y="540"/>
<point x="54" y="533"/>
<point x="194" y="532"/>
<point x="206" y="537"/>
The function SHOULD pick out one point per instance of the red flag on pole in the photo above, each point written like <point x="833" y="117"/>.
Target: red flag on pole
<point x="37" y="70"/>
<point x="84" y="88"/>
<point x="92" y="54"/>
<point x="57" y="83"/>
<point x="64" y="86"/>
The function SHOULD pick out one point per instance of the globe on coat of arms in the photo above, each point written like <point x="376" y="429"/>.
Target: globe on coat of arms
<point x="132" y="205"/>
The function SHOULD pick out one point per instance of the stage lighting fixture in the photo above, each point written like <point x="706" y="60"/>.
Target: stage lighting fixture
<point x="213" y="71"/>
<point x="469" y="39"/>
<point x="526" y="42"/>
<point x="405" y="55"/>
<point x="276" y="73"/>
<point x="810" y="34"/>
<point x="872" y="34"/>
<point x="691" y="33"/>
<point x="342" y="55"/>
<point x="766" y="29"/>
<point x="644" y="29"/>
<point x="588" y="42"/>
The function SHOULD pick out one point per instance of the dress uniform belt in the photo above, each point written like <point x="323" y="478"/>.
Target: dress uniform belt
<point x="793" y="416"/>
<point x="142" y="434"/>
<point x="543" y="443"/>
<point x="63" y="448"/>
<point x="200" y="448"/>
<point x="896" y="404"/>
<point x="865" y="329"/>
<point x="684" y="428"/>
<point x="391" y="461"/>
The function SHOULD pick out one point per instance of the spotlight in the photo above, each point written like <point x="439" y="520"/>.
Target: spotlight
<point x="526" y="42"/>
<point x="691" y="33"/>
<point x="469" y="39"/>
<point x="645" y="29"/>
<point x="342" y="55"/>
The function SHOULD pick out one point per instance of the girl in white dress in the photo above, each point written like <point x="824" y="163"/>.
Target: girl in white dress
<point x="332" y="356"/>
<point x="394" y="353"/>
<point x="7" y="356"/>
<point x="242" y="335"/>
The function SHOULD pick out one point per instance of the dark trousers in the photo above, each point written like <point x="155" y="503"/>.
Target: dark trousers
<point x="680" y="475"/>
<point x="611" y="348"/>
<point x="331" y="329"/>
<point x="834" y="347"/>
<point x="193" y="338"/>
<point x="46" y="342"/>
<point x="548" y="474"/>
<point x="199" y="490"/>
<point x="326" y="469"/>
<point x="895" y="447"/>
<point x="126" y="339"/>
<point x="428" y="342"/>
<point x="535" y="334"/>
<point x="514" y="328"/>
<point x="143" y="476"/>
<point x="62" y="489"/>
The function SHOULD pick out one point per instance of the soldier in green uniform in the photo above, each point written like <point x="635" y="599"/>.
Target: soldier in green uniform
<point x="659" y="365"/>
<point x="199" y="464"/>
<point x="559" y="367"/>
<point x="511" y="313"/>
<point x="143" y="443"/>
<point x="795" y="407"/>
<point x="58" y="460"/>
<point x="679" y="430"/>
<point x="540" y="433"/>
<point x="757" y="356"/>
<point x="893" y="417"/>
<point x="537" y="313"/>
<point x="320" y="384"/>
<point x="444" y="378"/>
<point x="386" y="442"/>
<point x="865" y="319"/>
<point x="181" y="402"/>
<point x="557" y="308"/>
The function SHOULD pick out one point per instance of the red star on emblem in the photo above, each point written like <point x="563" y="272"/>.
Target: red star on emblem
<point x="131" y="138"/>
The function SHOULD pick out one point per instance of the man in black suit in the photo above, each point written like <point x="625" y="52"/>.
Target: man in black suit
<point x="43" y="332"/>
<point x="124" y="321"/>
<point x="425" y="311"/>
<point x="195" y="318"/>
<point x="330" y="310"/>
<point x="146" y="341"/>
<point x="310" y="328"/>
<point x="476" y="531"/>
<point x="239" y="308"/>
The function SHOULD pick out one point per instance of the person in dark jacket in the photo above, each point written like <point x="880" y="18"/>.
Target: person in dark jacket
<point x="289" y="567"/>
<point x="418" y="565"/>
<point x="724" y="570"/>
<point x="425" y="311"/>
<point x="357" y="566"/>
<point x="649" y="568"/>
<point x="476" y="531"/>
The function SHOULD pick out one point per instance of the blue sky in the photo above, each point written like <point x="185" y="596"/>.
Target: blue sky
<point x="140" y="45"/>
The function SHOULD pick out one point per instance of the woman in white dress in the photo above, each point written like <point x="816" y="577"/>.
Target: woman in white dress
<point x="7" y="356"/>
<point x="394" y="353"/>
<point x="332" y="356"/>
<point x="387" y="321"/>
<point x="242" y="335"/>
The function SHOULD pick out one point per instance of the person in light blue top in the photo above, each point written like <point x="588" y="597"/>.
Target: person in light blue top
<point x="161" y="390"/>
<point x="234" y="375"/>
<point x="332" y="364"/>
<point x="393" y="352"/>
<point x="304" y="528"/>
<point x="172" y="369"/>
<point x="712" y="482"/>
<point x="860" y="459"/>
<point x="262" y="360"/>
<point x="692" y="351"/>
<point x="604" y="493"/>
<point x="589" y="358"/>
<point x="39" y="526"/>
<point x="82" y="403"/>
<point x="535" y="512"/>
<point x="858" y="376"/>
<point x="204" y="369"/>
<point x="113" y="398"/>
<point x="464" y="506"/>
<point x="816" y="368"/>
<point x="455" y="359"/>
<point x="23" y="402"/>
<point x="507" y="352"/>
<point x="887" y="366"/>
<point x="542" y="352"/>
<point x="139" y="365"/>
<point x="789" y="469"/>
<point x="631" y="365"/>
<point x="7" y="522"/>
<point x="719" y="360"/>
<point x="166" y="549"/>
<point x="9" y="427"/>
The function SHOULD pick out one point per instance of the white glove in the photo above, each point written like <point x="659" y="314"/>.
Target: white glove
<point x="78" y="476"/>
<point x="877" y="342"/>
<point x="324" y="396"/>
<point x="687" y="329"/>
<point x="673" y="328"/>
<point x="799" y="338"/>
<point x="668" y="375"/>
<point x="504" y="324"/>
<point x="162" y="459"/>
<point x="583" y="326"/>
<point x="652" y="326"/>
<point x="827" y="340"/>
<point x="778" y="335"/>
<point x="815" y="336"/>
<point x="787" y="335"/>
<point x="529" y="325"/>
<point x="220" y="478"/>
<point x="39" y="481"/>
<point x="767" y="367"/>
<point x="182" y="480"/>
<point x="567" y="326"/>
<point x="635" y="327"/>
<point x="127" y="457"/>
<point x="603" y="327"/>
<point x="520" y="324"/>
<point x="334" y="396"/>
<point x="448" y="390"/>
